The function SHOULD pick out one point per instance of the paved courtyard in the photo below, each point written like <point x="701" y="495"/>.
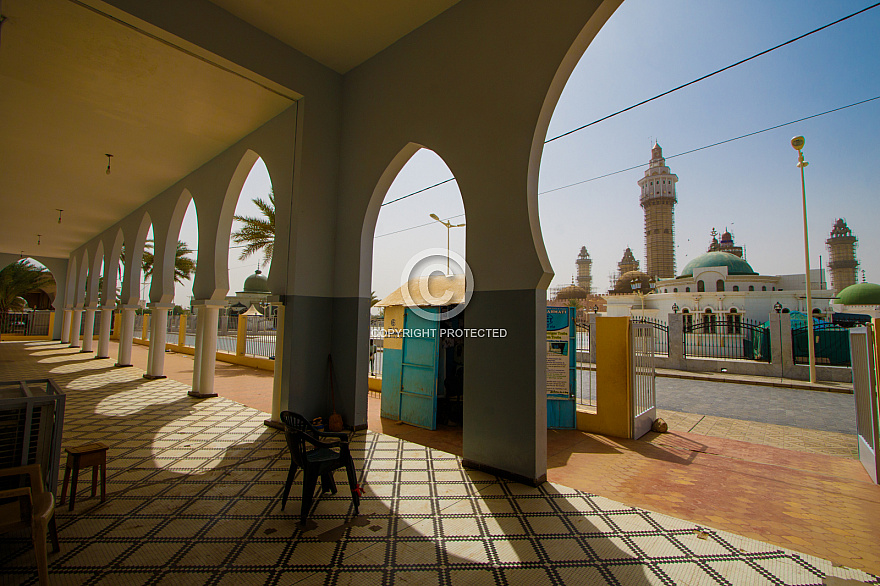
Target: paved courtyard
<point x="194" y="498"/>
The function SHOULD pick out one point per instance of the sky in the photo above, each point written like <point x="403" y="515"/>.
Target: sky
<point x="750" y="186"/>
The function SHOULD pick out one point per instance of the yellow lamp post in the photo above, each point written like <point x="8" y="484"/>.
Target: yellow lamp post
<point x="798" y="144"/>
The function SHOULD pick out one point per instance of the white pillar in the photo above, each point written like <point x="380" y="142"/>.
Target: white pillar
<point x="197" y="352"/>
<point x="65" y="326"/>
<point x="275" y="417"/>
<point x="104" y="334"/>
<point x="158" y="333"/>
<point x="126" y="335"/>
<point x="206" y="351"/>
<point x="76" y="322"/>
<point x="88" y="330"/>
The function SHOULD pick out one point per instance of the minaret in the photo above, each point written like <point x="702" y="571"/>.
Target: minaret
<point x="842" y="256"/>
<point x="658" y="200"/>
<point x="627" y="263"/>
<point x="584" y="270"/>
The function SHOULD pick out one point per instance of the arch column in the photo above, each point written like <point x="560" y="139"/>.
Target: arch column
<point x="75" y="323"/>
<point x="65" y="325"/>
<point x="158" y="333"/>
<point x="88" y="329"/>
<point x="277" y="388"/>
<point x="104" y="333"/>
<point x="206" y="347"/>
<point x="126" y="335"/>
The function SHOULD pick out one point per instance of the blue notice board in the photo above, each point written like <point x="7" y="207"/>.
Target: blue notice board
<point x="561" y="368"/>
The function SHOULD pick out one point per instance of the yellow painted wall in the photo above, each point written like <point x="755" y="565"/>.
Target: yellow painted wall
<point x="393" y="321"/>
<point x="613" y="409"/>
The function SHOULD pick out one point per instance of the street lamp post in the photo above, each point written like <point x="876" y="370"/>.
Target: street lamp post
<point x="636" y="286"/>
<point x="449" y="226"/>
<point x="798" y="144"/>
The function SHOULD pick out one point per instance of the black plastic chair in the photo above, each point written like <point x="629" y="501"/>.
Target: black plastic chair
<point x="317" y="459"/>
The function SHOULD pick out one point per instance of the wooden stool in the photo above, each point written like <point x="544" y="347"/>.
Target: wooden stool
<point x="89" y="455"/>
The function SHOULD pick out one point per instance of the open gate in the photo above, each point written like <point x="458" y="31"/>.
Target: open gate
<point x="861" y="345"/>
<point x="644" y="397"/>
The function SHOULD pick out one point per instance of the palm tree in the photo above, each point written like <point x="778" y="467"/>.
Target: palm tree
<point x="17" y="279"/>
<point x="184" y="266"/>
<point x="258" y="233"/>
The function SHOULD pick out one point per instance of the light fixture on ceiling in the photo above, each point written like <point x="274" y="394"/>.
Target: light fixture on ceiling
<point x="109" y="156"/>
<point x="38" y="239"/>
<point x="59" y="214"/>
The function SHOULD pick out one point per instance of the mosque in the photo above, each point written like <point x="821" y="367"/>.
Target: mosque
<point x="721" y="281"/>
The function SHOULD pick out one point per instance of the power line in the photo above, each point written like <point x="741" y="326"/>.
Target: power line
<point x="708" y="146"/>
<point x="419" y="191"/>
<point x="708" y="75"/>
<point x="702" y="148"/>
<point x="414" y="227"/>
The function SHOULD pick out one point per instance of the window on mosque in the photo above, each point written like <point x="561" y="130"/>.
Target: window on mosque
<point x="701" y="286"/>
<point x="736" y="287"/>
<point x="764" y="288"/>
<point x="687" y="289"/>
<point x="675" y="290"/>
<point x="719" y="285"/>
<point x="751" y="287"/>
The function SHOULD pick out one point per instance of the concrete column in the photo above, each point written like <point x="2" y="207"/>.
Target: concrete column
<point x="206" y="349"/>
<point x="676" y="341"/>
<point x="275" y="418"/>
<point x="65" y="325"/>
<point x="104" y="334"/>
<point x="780" y="345"/>
<point x="126" y="335"/>
<point x="592" y="319"/>
<point x="158" y="333"/>
<point x="88" y="330"/>
<point x="75" y="324"/>
<point x="241" y="338"/>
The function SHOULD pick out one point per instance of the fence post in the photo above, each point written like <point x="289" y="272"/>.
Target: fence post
<point x="241" y="340"/>
<point x="675" y="323"/>
<point x="182" y="322"/>
<point x="117" y="325"/>
<point x="592" y="354"/>
<point x="145" y="326"/>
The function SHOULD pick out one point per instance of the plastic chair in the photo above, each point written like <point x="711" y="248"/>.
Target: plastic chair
<point x="30" y="506"/>
<point x="316" y="458"/>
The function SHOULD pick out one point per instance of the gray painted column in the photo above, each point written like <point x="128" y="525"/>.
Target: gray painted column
<point x="676" y="341"/>
<point x="592" y="356"/>
<point x="76" y="322"/>
<point x="65" y="325"/>
<point x="88" y="330"/>
<point x="780" y="345"/>
<point x="126" y="335"/>
<point x="158" y="333"/>
<point x="505" y="398"/>
<point x="104" y="334"/>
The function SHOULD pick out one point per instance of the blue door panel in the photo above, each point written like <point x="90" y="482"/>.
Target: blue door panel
<point x="418" y="380"/>
<point x="391" y="365"/>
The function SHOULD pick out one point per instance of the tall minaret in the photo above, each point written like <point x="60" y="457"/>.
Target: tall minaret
<point x="658" y="200"/>
<point x="842" y="253"/>
<point x="584" y="270"/>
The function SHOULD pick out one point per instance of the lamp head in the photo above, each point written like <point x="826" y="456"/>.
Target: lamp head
<point x="797" y="143"/>
<point x="434" y="216"/>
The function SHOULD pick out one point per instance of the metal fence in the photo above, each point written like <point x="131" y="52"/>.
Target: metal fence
<point x="25" y="323"/>
<point x="728" y="336"/>
<point x="376" y="355"/>
<point x="831" y="344"/>
<point x="660" y="333"/>
<point x="260" y="336"/>
<point x="585" y="371"/>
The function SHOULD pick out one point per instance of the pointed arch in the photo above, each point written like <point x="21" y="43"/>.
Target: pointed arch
<point x="81" y="277"/>
<point x="92" y="293"/>
<point x="133" y="261"/>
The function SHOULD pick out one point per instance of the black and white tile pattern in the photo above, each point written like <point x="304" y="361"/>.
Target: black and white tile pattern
<point x="194" y="498"/>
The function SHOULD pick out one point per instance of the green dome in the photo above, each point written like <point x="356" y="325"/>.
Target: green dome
<point x="256" y="283"/>
<point x="735" y="265"/>
<point x="859" y="294"/>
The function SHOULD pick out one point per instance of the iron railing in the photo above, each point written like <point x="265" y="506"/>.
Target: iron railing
<point x="831" y="345"/>
<point x="660" y="332"/>
<point x="25" y="323"/>
<point x="585" y="385"/>
<point x="728" y="336"/>
<point x="260" y="336"/>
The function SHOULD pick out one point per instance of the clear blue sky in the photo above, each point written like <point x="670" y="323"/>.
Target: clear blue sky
<point x="750" y="186"/>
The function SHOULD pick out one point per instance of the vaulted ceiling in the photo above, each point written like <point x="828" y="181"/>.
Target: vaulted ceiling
<point x="77" y="83"/>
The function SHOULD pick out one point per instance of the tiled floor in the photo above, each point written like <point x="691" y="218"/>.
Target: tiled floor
<point x="194" y="499"/>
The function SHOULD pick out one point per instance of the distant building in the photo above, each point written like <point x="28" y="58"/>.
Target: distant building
<point x="725" y="244"/>
<point x="658" y="199"/>
<point x="585" y="270"/>
<point x="842" y="256"/>
<point x="860" y="299"/>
